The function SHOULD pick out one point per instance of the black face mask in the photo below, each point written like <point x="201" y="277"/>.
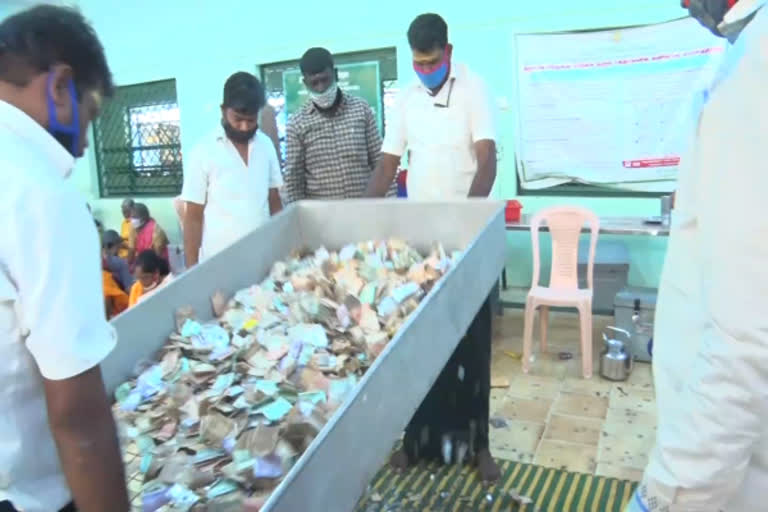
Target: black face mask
<point x="238" y="136"/>
<point x="707" y="12"/>
<point x="710" y="13"/>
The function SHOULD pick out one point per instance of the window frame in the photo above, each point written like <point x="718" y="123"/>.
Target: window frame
<point x="102" y="171"/>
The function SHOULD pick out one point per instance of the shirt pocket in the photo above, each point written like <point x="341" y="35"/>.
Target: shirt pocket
<point x="322" y="158"/>
<point x="351" y="143"/>
<point x="228" y="183"/>
<point x="318" y="142"/>
<point x="438" y="127"/>
<point x="453" y="128"/>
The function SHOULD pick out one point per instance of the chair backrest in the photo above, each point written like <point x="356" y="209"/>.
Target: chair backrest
<point x="565" y="224"/>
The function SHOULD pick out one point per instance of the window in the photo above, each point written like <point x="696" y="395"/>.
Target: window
<point x="138" y="142"/>
<point x="275" y="77"/>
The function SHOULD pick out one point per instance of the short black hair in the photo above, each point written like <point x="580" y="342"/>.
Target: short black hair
<point x="110" y="238"/>
<point x="428" y="32"/>
<point x="244" y="93"/>
<point x="34" y="40"/>
<point x="141" y="210"/>
<point x="150" y="262"/>
<point x="315" y="60"/>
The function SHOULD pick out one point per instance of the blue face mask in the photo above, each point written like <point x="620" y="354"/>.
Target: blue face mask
<point x="435" y="78"/>
<point x="67" y="135"/>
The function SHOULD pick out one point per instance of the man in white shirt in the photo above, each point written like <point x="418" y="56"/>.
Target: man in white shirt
<point x="710" y="350"/>
<point x="232" y="179"/>
<point x="57" y="435"/>
<point x="446" y="121"/>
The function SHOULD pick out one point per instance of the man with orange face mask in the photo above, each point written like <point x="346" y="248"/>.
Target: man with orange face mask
<point x="711" y="329"/>
<point x="446" y="122"/>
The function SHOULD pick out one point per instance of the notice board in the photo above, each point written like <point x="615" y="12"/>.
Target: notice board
<point x="611" y="107"/>
<point x="361" y="79"/>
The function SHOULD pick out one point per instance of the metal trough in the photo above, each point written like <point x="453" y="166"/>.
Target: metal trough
<point x="335" y="470"/>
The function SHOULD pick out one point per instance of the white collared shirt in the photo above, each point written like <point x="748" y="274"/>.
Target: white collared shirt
<point x="52" y="318"/>
<point x="439" y="133"/>
<point x="711" y="329"/>
<point x="236" y="196"/>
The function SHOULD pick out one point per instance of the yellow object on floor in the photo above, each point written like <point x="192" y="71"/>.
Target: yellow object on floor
<point x="499" y="382"/>
<point x="454" y="489"/>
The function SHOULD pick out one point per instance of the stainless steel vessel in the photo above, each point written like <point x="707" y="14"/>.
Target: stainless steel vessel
<point x="615" y="361"/>
<point x="336" y="468"/>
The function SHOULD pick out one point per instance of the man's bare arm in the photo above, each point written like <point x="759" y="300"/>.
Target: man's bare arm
<point x="485" y="152"/>
<point x="275" y="204"/>
<point x="383" y="175"/>
<point x="84" y="430"/>
<point x="193" y="232"/>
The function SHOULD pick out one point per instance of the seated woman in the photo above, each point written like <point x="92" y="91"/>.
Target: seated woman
<point x="152" y="273"/>
<point x="115" y="298"/>
<point x="116" y="279"/>
<point x="149" y="235"/>
<point x="111" y="243"/>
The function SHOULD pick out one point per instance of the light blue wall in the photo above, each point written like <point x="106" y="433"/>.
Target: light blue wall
<point x="201" y="42"/>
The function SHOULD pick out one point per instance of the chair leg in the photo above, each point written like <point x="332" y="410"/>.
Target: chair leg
<point x="543" y="323"/>
<point x="530" y="311"/>
<point x="585" y="321"/>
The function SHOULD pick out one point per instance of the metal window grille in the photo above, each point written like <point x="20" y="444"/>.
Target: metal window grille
<point x="138" y="143"/>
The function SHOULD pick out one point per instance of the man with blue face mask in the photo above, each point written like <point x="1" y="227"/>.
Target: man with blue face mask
<point x="333" y="142"/>
<point x="445" y="121"/>
<point x="57" y="435"/>
<point x="710" y="351"/>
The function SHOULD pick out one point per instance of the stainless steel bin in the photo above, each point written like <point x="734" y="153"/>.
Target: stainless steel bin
<point x="336" y="468"/>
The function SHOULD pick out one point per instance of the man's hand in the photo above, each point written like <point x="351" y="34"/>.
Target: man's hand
<point x="382" y="176"/>
<point x="82" y="426"/>
<point x="485" y="152"/>
<point x="275" y="203"/>
<point x="193" y="232"/>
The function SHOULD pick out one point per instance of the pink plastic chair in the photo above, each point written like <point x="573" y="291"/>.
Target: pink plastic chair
<point x="565" y="224"/>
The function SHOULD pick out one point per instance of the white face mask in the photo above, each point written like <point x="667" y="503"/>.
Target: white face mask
<point x="151" y="287"/>
<point x="136" y="223"/>
<point x="325" y="99"/>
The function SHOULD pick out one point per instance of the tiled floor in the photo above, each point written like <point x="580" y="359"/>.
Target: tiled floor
<point x="552" y="416"/>
<point x="555" y="418"/>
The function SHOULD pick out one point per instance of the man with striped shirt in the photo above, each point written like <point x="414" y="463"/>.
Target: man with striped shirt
<point x="332" y="143"/>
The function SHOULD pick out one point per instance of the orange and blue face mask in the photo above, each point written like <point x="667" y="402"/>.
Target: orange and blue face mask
<point x="434" y="76"/>
<point x="68" y="135"/>
<point x="710" y="13"/>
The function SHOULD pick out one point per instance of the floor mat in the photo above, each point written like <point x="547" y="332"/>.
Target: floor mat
<point x="454" y="489"/>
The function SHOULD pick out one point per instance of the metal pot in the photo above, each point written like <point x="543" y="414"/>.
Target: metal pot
<point x="615" y="360"/>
